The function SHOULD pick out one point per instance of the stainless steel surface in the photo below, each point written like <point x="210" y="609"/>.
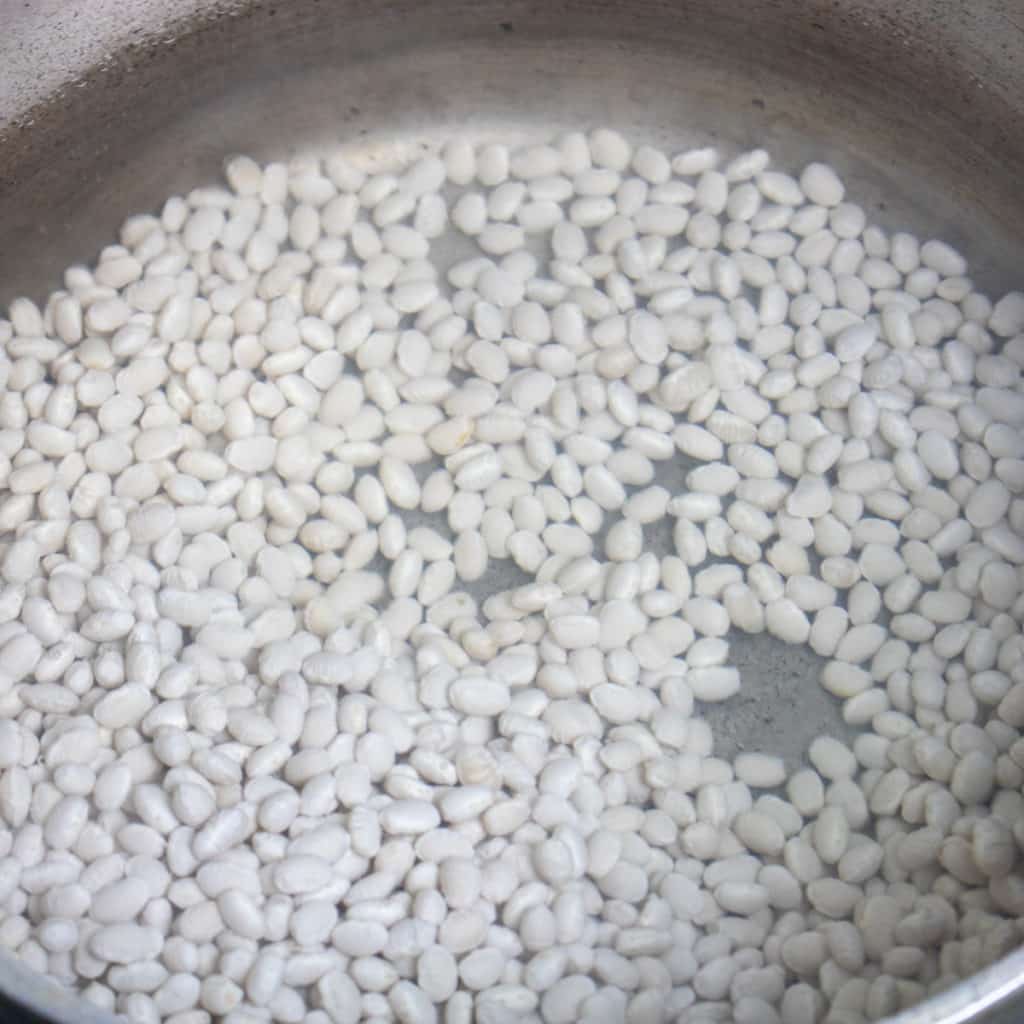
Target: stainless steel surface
<point x="919" y="101"/>
<point x="108" y="106"/>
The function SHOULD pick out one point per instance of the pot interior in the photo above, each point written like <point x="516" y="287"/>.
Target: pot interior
<point x="920" y="108"/>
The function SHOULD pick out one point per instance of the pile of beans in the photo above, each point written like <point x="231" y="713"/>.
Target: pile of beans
<point x="354" y="642"/>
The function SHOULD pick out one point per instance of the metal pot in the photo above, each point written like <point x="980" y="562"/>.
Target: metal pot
<point x="108" y="106"/>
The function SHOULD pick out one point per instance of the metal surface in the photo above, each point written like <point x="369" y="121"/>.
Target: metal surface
<point x="108" y="106"/>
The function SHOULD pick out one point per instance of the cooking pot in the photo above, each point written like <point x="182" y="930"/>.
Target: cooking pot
<point x="108" y="106"/>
